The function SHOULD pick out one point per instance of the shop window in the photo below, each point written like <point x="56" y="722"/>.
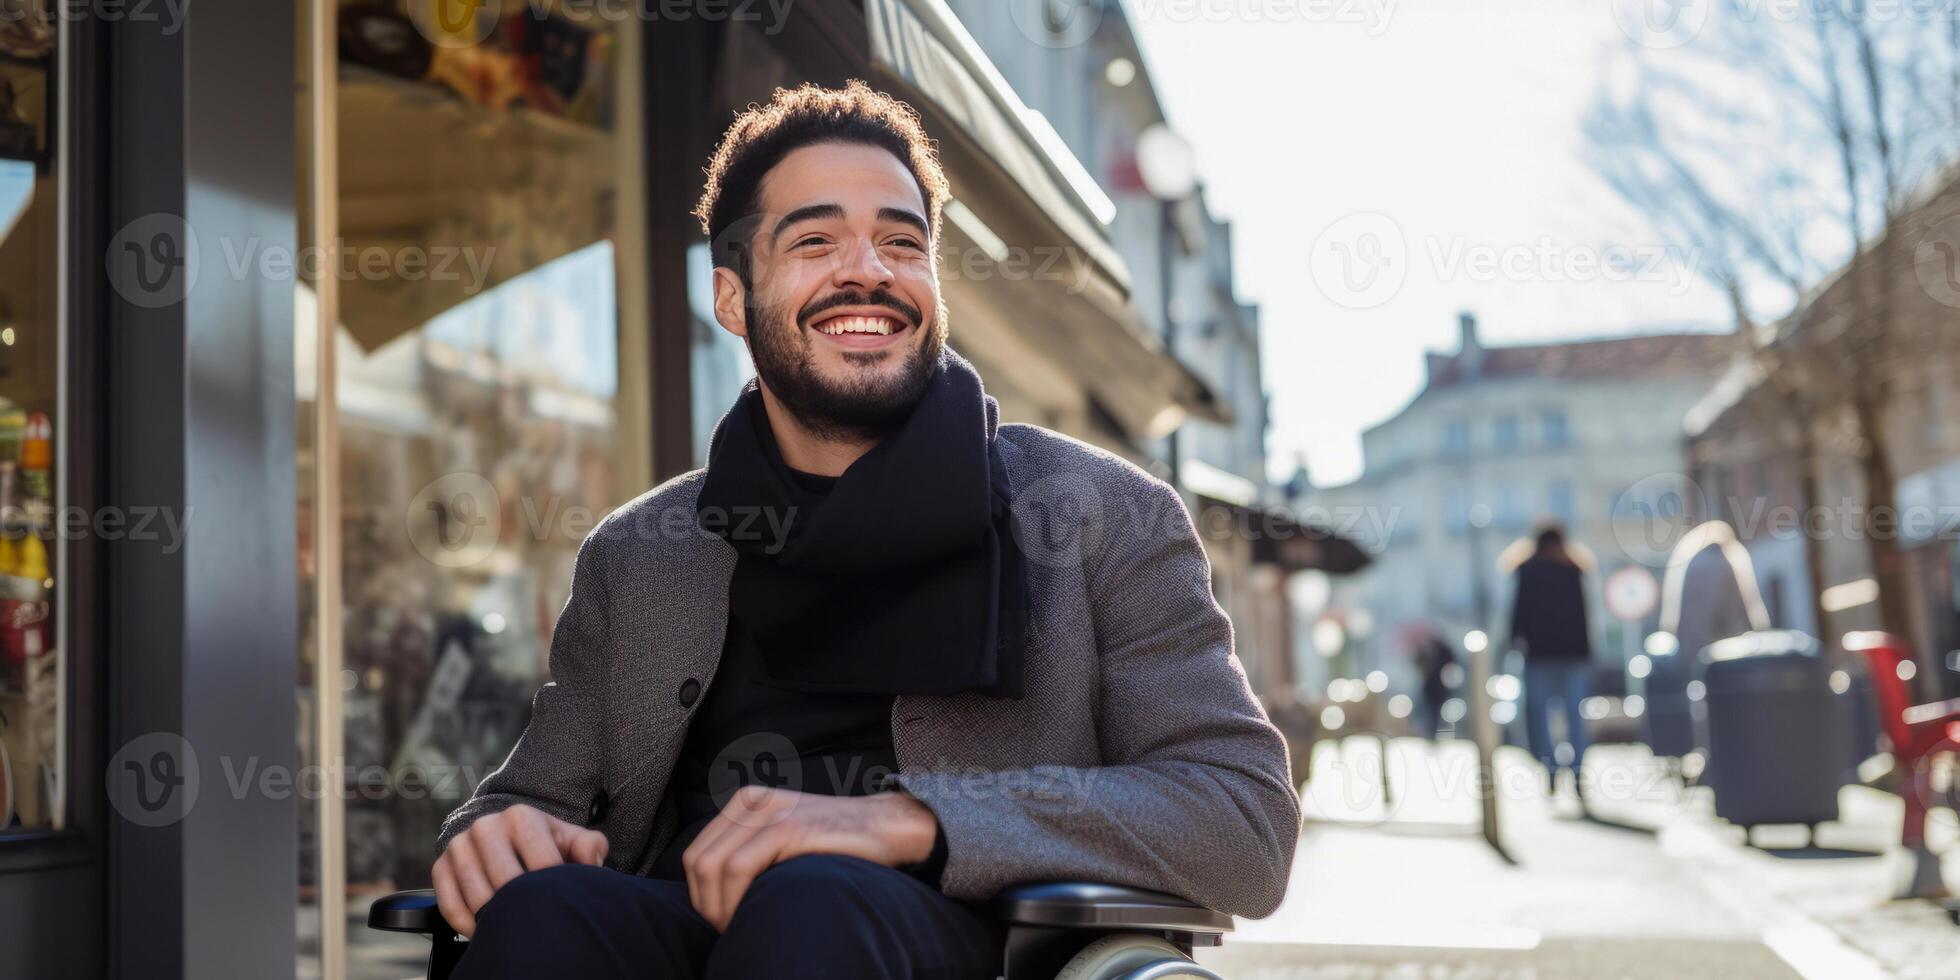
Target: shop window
<point x="1456" y="438"/>
<point x="1504" y="433"/>
<point x="33" y="663"/>
<point x="488" y="374"/>
<point x="1553" y="427"/>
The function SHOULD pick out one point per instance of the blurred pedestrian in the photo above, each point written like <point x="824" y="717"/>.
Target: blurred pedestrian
<point x="1548" y="624"/>
<point x="1435" y="658"/>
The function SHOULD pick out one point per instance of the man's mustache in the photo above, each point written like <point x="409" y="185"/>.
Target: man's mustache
<point x="907" y="311"/>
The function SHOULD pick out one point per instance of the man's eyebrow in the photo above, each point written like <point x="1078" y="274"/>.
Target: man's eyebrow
<point x="904" y="217"/>
<point x="809" y="212"/>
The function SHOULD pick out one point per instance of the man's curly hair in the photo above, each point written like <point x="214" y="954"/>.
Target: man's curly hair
<point x="761" y="136"/>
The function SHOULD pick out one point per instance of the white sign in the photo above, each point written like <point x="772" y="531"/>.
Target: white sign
<point x="1632" y="593"/>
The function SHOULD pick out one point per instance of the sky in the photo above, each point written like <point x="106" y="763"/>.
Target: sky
<point x="1388" y="164"/>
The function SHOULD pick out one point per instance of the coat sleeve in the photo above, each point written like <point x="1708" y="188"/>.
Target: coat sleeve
<point x="1196" y="797"/>
<point x="554" y="767"/>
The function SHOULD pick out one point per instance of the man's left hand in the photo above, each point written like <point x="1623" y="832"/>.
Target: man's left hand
<point x="761" y="826"/>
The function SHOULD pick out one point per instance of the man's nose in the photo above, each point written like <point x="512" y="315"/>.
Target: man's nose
<point x="859" y="265"/>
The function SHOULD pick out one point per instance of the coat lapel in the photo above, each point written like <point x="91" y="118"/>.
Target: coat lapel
<point x="677" y="637"/>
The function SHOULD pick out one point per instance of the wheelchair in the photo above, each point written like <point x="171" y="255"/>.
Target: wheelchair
<point x="1059" y="930"/>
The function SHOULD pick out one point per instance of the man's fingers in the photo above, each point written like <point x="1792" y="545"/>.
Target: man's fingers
<point x="532" y="835"/>
<point x="579" y="844"/>
<point x="590" y="847"/>
<point x="468" y="868"/>
<point x="756" y="855"/>
<point x="497" y="853"/>
<point x="706" y="878"/>
<point x="449" y="900"/>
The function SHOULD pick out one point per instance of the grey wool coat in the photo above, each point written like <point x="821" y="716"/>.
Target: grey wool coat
<point x="1137" y="756"/>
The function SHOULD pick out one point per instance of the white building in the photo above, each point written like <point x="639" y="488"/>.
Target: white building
<point x="1498" y="441"/>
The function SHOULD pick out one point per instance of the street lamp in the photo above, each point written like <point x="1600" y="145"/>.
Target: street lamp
<point x="1169" y="169"/>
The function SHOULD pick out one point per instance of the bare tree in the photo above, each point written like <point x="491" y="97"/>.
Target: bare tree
<point x="1779" y="151"/>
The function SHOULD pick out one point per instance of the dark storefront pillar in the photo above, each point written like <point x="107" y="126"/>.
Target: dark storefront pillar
<point x="199" y="419"/>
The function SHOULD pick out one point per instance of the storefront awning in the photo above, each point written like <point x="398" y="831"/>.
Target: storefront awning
<point x="1008" y="169"/>
<point x="1279" y="538"/>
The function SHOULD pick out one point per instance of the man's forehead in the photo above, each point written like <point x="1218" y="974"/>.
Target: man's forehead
<point x="856" y="178"/>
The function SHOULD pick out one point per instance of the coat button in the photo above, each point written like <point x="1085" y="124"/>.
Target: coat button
<point x="689" y="692"/>
<point x="597" y="811"/>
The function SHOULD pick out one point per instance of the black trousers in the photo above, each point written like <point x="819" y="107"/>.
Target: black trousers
<point x="820" y="915"/>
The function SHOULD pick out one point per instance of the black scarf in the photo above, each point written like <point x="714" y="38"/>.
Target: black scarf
<point x="905" y="578"/>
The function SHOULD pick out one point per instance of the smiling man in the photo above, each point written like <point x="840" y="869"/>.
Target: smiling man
<point x="884" y="656"/>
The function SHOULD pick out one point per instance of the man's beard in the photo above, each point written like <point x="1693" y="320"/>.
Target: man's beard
<point x="861" y="408"/>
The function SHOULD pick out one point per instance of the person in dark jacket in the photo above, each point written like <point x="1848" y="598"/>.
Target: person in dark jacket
<point x="1548" y="623"/>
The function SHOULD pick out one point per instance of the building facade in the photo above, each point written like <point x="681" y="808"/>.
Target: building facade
<point x="1743" y="452"/>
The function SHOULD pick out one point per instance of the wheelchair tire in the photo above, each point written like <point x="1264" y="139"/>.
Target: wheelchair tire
<point x="1131" y="954"/>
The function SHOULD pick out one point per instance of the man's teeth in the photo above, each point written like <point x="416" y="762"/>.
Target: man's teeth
<point x="856" y="324"/>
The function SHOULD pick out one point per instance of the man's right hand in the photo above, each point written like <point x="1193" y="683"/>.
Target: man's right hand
<point x="500" y="846"/>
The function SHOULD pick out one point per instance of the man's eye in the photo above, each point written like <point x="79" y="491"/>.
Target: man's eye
<point x="904" y="243"/>
<point x="812" y="240"/>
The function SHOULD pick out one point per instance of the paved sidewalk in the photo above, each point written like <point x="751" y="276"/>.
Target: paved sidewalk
<point x="1652" y="886"/>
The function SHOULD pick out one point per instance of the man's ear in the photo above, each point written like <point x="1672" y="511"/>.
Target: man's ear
<point x="731" y="302"/>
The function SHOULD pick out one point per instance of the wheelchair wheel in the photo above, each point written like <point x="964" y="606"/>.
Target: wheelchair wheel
<point x="1132" y="956"/>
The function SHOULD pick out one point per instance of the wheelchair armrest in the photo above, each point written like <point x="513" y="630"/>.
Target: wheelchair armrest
<point x="409" y="911"/>
<point x="1079" y="905"/>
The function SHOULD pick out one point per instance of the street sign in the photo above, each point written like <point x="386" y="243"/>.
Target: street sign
<point x="1632" y="593"/>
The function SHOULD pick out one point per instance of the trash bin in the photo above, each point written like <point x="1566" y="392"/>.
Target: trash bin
<point x="1774" y="755"/>
<point x="1669" y="722"/>
<point x="1858" y="715"/>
